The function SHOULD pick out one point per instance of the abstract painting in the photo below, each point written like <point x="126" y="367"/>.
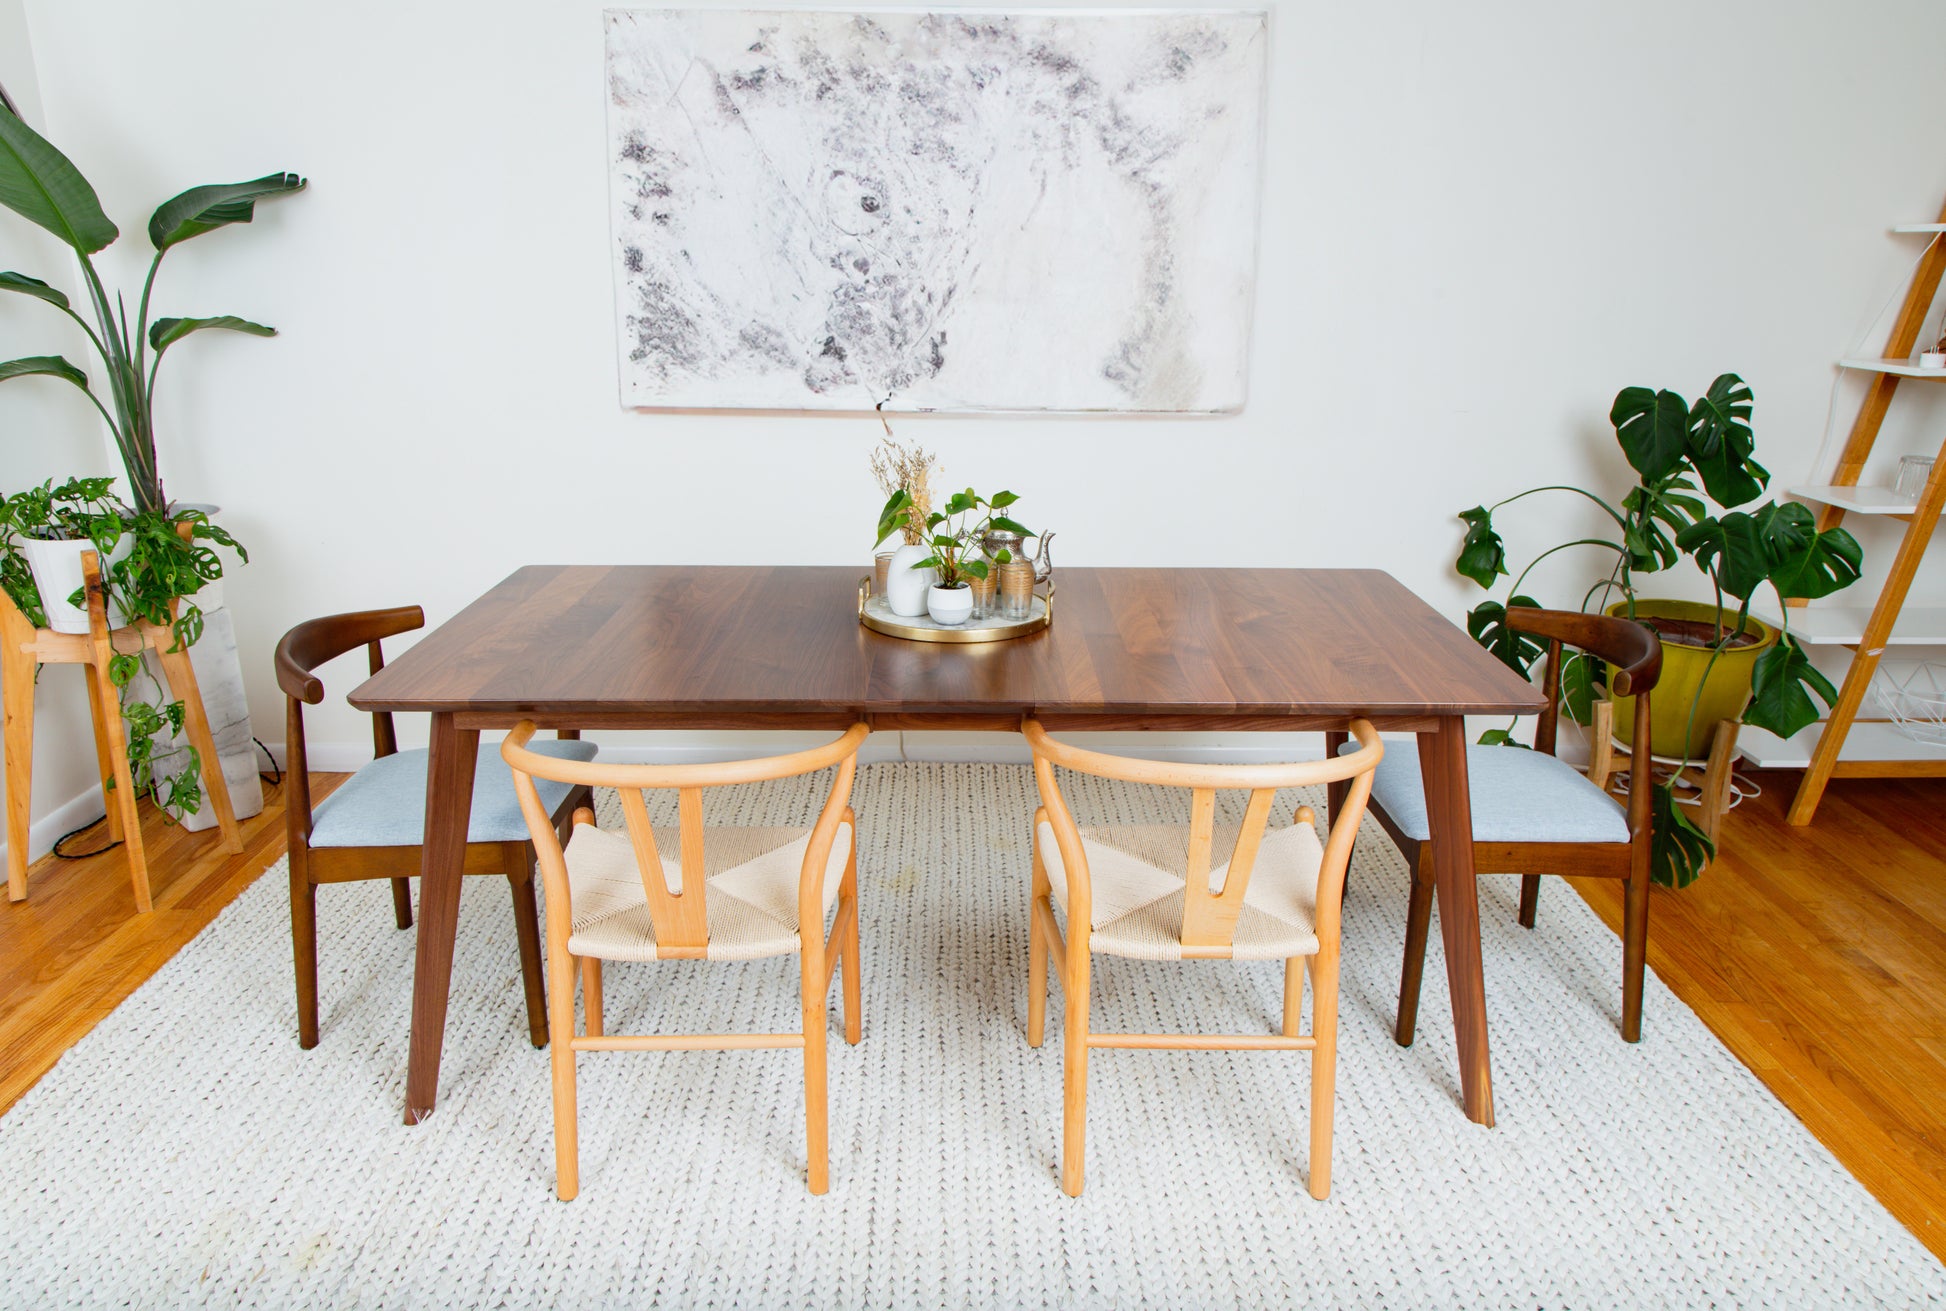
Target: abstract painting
<point x="1045" y="210"/>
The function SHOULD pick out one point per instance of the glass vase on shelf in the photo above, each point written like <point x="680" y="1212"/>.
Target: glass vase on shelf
<point x="1016" y="588"/>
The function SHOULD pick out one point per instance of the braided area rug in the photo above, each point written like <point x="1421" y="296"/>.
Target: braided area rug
<point x="187" y="1152"/>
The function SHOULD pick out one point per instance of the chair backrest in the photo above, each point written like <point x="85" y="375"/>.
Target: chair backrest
<point x="681" y="916"/>
<point x="302" y="650"/>
<point x="1210" y="916"/>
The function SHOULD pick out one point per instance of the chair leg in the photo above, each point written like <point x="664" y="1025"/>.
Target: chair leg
<point x="1418" y="924"/>
<point x="560" y="1007"/>
<point x="1530" y="899"/>
<point x="527" y="932"/>
<point x="591" y="996"/>
<point x="848" y="891"/>
<point x="1074" y="1068"/>
<point x="1324" y="1067"/>
<point x="304" y="956"/>
<point x="1293" y="994"/>
<point x="1635" y="952"/>
<point x="402" y="903"/>
<point x="817" y="1146"/>
<point x="1036" y="975"/>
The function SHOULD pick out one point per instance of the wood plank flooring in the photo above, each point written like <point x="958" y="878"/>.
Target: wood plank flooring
<point x="1817" y="955"/>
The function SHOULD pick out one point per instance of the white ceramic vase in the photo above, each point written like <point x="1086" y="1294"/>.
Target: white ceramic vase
<point x="905" y="587"/>
<point x="57" y="576"/>
<point x="949" y="605"/>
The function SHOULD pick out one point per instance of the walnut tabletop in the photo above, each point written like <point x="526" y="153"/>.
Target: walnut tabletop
<point x="656" y="646"/>
<point x="762" y="647"/>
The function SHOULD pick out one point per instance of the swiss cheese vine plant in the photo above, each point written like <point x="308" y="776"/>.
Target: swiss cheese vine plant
<point x="1695" y="484"/>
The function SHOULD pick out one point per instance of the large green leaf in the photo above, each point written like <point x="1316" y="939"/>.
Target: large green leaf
<point x="34" y="287"/>
<point x="39" y="183"/>
<point x="1487" y="622"/>
<point x="1733" y="548"/>
<point x="52" y="366"/>
<point x="1720" y="443"/>
<point x="1781" y="689"/>
<point x="1653" y="428"/>
<point x="1678" y="850"/>
<point x="165" y="333"/>
<point x="893" y="516"/>
<point x="204" y="209"/>
<point x="1483" y="556"/>
<point x="1829" y="562"/>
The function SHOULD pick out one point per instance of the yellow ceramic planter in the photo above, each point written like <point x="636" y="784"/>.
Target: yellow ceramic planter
<point x="1724" y="695"/>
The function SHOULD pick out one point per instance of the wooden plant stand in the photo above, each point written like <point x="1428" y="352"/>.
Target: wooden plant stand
<point x="23" y="647"/>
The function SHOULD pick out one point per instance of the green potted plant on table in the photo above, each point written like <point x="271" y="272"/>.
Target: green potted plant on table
<point x="1718" y="662"/>
<point x="957" y="554"/>
<point x="42" y="185"/>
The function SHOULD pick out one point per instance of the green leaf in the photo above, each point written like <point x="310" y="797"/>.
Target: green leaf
<point x="889" y="517"/>
<point x="961" y="502"/>
<point x="39" y="183"/>
<point x="977" y="568"/>
<point x="165" y="333"/>
<point x="52" y="366"/>
<point x="1483" y="556"/>
<point x="1678" y="850"/>
<point x="1653" y="428"/>
<point x="34" y="287"/>
<point x="204" y="209"/>
<point x="1502" y="737"/>
<point x="930" y="562"/>
<point x="1011" y="526"/>
<point x="1720" y="443"/>
<point x="1781" y="689"/>
<point x="1829" y="562"/>
<point x="1733" y="548"/>
<point x="1487" y="622"/>
<point x="1002" y="500"/>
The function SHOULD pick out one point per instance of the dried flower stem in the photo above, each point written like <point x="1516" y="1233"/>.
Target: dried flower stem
<point x="897" y="466"/>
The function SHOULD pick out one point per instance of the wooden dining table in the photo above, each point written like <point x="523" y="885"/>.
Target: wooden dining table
<point x="755" y="647"/>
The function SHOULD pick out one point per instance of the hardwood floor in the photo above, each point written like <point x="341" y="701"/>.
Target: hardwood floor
<point x="1817" y="955"/>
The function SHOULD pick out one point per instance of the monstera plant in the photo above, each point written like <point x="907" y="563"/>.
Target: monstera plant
<point x="1717" y="660"/>
<point x="40" y="184"/>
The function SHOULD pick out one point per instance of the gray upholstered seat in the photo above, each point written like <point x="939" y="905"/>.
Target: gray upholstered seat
<point x="1518" y="796"/>
<point x="384" y="804"/>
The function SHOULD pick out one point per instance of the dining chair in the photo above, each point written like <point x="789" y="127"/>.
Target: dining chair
<point x="1154" y="892"/>
<point x="373" y="826"/>
<point x="727" y="893"/>
<point x="1535" y="814"/>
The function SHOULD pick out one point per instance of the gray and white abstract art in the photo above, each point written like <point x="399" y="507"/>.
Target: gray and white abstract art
<point x="1046" y="210"/>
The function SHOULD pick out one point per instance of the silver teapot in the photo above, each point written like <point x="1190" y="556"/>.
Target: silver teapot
<point x="1002" y="539"/>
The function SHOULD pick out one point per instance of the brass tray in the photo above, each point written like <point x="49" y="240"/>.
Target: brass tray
<point x="875" y="613"/>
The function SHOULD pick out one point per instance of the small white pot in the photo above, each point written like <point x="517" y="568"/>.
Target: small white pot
<point x="905" y="587"/>
<point x="57" y="575"/>
<point x="1932" y="359"/>
<point x="950" y="605"/>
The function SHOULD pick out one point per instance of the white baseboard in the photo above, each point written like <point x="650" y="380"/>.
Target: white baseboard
<point x="70" y="815"/>
<point x="344" y="757"/>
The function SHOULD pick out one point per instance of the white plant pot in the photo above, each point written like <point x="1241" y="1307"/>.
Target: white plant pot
<point x="905" y="587"/>
<point x="57" y="575"/>
<point x="1932" y="359"/>
<point x="950" y="605"/>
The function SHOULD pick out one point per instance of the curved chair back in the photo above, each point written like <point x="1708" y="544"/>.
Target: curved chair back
<point x="680" y="914"/>
<point x="1209" y="916"/>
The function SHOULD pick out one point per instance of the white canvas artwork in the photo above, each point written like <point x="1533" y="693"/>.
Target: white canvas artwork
<point x="1045" y="210"/>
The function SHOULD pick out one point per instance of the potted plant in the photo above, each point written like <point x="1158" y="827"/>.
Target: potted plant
<point x="1718" y="662"/>
<point x="956" y="551"/>
<point x="150" y="560"/>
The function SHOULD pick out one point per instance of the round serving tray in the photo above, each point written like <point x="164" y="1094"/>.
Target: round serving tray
<point x="875" y="613"/>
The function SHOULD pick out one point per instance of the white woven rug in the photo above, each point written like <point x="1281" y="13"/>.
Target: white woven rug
<point x="186" y="1152"/>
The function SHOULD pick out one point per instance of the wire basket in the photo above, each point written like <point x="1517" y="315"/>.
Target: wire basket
<point x="1915" y="701"/>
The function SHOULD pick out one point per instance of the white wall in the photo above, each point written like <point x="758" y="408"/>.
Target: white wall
<point x="1479" y="221"/>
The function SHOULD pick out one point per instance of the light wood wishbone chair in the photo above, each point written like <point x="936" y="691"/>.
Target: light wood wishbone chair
<point x="728" y="894"/>
<point x="1152" y="892"/>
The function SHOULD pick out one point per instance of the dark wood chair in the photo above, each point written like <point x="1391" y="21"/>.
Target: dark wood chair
<point x="372" y="827"/>
<point x="1534" y="814"/>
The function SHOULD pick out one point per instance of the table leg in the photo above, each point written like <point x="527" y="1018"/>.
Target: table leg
<point x="1449" y="813"/>
<point x="449" y="804"/>
<point x="1334" y="793"/>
